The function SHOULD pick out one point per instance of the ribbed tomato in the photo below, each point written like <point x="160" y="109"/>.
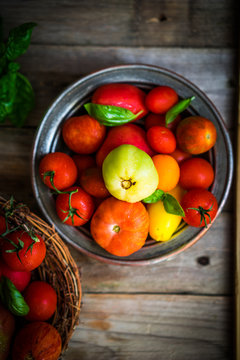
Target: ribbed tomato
<point x="121" y="228"/>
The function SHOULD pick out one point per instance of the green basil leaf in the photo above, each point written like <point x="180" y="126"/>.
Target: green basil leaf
<point x="172" y="206"/>
<point x="177" y="109"/>
<point x="155" y="197"/>
<point x="24" y="101"/>
<point x="110" y="115"/>
<point x="12" y="298"/>
<point x="19" y="40"/>
<point x="7" y="94"/>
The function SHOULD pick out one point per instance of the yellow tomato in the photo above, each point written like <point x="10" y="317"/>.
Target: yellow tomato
<point x="162" y="224"/>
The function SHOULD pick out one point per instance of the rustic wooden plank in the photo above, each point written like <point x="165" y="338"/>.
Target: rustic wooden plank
<point x="152" y="327"/>
<point x="128" y="22"/>
<point x="52" y="68"/>
<point x="205" y="268"/>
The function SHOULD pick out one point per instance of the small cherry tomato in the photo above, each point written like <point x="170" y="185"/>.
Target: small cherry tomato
<point x="196" y="135"/>
<point x="161" y="139"/>
<point x="83" y="162"/>
<point x="83" y="134"/>
<point x="196" y="172"/>
<point x="76" y="208"/>
<point x="37" y="340"/>
<point x="180" y="155"/>
<point x="123" y="95"/>
<point x="41" y="299"/>
<point x="91" y="180"/>
<point x="26" y="253"/>
<point x="160" y="99"/>
<point x="20" y="279"/>
<point x="200" y="207"/>
<point x="58" y="170"/>
<point x="159" y="119"/>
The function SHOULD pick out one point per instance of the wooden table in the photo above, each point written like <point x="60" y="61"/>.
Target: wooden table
<point x="179" y="309"/>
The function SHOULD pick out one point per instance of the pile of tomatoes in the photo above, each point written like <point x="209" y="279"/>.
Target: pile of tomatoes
<point x="25" y="304"/>
<point x="155" y="122"/>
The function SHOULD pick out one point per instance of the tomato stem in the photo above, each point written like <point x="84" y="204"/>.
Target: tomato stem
<point x="116" y="228"/>
<point x="72" y="211"/>
<point x="203" y="213"/>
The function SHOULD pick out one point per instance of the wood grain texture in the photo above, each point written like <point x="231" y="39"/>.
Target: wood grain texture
<point x="131" y="23"/>
<point x="52" y="68"/>
<point x="156" y="327"/>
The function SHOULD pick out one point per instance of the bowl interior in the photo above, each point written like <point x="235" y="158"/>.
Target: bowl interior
<point x="48" y="139"/>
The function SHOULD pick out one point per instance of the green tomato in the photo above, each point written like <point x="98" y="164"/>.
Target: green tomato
<point x="129" y="173"/>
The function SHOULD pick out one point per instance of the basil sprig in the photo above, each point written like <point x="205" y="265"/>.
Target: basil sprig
<point x="12" y="298"/>
<point x="170" y="203"/>
<point x="177" y="109"/>
<point x="16" y="93"/>
<point x="109" y="115"/>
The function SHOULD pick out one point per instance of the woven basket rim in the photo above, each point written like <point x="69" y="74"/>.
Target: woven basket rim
<point x="58" y="268"/>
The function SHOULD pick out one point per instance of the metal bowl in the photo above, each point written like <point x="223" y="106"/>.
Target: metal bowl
<point x="48" y="139"/>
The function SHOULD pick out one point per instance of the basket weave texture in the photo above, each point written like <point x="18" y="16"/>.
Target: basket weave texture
<point x="58" y="268"/>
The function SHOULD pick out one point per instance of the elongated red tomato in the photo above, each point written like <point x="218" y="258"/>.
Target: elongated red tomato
<point x="121" y="228"/>
<point x="27" y="253"/>
<point x="160" y="99"/>
<point x="123" y="95"/>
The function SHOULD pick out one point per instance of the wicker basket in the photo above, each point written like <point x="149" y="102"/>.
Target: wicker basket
<point x="58" y="268"/>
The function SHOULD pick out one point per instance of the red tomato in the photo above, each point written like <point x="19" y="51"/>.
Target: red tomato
<point x="83" y="162"/>
<point x="2" y="224"/>
<point x="161" y="139"/>
<point x="41" y="299"/>
<point x="2" y="228"/>
<point x="19" y="278"/>
<point x="81" y="210"/>
<point x="180" y="155"/>
<point x="196" y="172"/>
<point x="158" y="119"/>
<point x="83" y="134"/>
<point x="196" y="135"/>
<point x="160" y="99"/>
<point x="30" y="253"/>
<point x="39" y="339"/>
<point x="123" y="95"/>
<point x="200" y="207"/>
<point x="91" y="180"/>
<point x="61" y="166"/>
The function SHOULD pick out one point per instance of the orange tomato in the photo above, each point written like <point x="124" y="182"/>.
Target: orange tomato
<point x="121" y="228"/>
<point x="168" y="171"/>
<point x="196" y="135"/>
